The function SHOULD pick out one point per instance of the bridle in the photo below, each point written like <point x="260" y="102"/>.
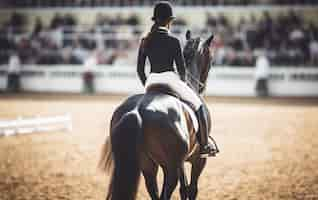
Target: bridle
<point x="200" y="83"/>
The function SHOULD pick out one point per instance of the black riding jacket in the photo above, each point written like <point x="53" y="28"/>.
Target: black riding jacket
<point x="162" y="49"/>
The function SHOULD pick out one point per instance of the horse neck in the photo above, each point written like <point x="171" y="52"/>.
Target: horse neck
<point x="193" y="77"/>
<point x="205" y="65"/>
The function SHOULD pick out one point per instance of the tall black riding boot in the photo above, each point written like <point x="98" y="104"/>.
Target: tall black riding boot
<point x="206" y="149"/>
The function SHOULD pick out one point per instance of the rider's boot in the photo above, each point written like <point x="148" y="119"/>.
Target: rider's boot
<point x="206" y="149"/>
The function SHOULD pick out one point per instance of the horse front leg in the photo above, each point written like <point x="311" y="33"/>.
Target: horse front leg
<point x="196" y="170"/>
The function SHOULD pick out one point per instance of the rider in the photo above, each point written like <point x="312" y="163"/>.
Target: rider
<point x="162" y="50"/>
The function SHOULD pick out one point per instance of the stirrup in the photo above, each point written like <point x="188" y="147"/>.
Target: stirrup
<point x="207" y="155"/>
<point x="208" y="151"/>
<point x="211" y="149"/>
<point x="215" y="147"/>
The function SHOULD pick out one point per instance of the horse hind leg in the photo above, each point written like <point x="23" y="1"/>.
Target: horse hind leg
<point x="197" y="168"/>
<point x="183" y="184"/>
<point x="151" y="185"/>
<point x="149" y="171"/>
<point x="171" y="177"/>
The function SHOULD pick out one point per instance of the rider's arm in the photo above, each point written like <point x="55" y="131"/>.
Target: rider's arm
<point x="179" y="59"/>
<point x="141" y="63"/>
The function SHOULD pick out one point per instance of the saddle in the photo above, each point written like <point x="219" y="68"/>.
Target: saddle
<point x="187" y="106"/>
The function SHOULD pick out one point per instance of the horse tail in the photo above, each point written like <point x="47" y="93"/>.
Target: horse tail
<point x="125" y="143"/>
<point x="106" y="162"/>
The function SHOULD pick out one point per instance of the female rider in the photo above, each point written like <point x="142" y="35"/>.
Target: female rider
<point x="162" y="50"/>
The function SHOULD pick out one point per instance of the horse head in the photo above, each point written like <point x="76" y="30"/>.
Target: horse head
<point x="198" y="58"/>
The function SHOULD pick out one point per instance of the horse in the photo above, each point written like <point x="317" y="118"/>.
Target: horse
<point x="153" y="130"/>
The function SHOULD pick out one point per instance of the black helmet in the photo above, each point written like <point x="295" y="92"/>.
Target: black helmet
<point x="162" y="11"/>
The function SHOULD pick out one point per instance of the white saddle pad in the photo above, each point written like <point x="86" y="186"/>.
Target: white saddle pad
<point x="193" y="117"/>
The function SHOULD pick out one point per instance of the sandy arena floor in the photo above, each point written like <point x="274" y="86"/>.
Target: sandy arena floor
<point x="269" y="150"/>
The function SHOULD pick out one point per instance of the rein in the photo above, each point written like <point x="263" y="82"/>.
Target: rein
<point x="201" y="84"/>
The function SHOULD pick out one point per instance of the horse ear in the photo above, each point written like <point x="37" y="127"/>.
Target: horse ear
<point x="209" y="40"/>
<point x="188" y="35"/>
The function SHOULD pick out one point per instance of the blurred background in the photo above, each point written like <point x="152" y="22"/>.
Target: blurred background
<point x="262" y="92"/>
<point x="63" y="39"/>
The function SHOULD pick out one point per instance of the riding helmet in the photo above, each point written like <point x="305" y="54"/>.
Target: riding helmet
<point x="162" y="11"/>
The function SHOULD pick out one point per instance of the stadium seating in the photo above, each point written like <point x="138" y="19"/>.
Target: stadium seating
<point x="98" y="3"/>
<point x="288" y="36"/>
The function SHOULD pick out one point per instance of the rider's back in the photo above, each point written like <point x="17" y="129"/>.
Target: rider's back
<point x="162" y="50"/>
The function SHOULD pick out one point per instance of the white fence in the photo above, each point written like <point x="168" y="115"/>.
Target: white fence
<point x="35" y="124"/>
<point x="224" y="81"/>
<point x="284" y="81"/>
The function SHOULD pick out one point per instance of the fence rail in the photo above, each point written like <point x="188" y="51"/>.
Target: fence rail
<point x="35" y="124"/>
<point x="224" y="81"/>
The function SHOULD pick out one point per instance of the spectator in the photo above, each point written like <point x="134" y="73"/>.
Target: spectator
<point x="68" y="58"/>
<point x="79" y="52"/>
<point x="88" y="76"/>
<point x="38" y="27"/>
<point x="251" y="33"/>
<point x="313" y="46"/>
<point x="13" y="81"/>
<point x="262" y="74"/>
<point x="69" y="20"/>
<point x="56" y="36"/>
<point x="56" y="21"/>
<point x="133" y="20"/>
<point x="17" y="22"/>
<point x="211" y="21"/>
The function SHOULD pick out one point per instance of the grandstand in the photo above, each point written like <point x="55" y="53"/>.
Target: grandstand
<point x="289" y="35"/>
<point x="99" y="3"/>
<point x="45" y="34"/>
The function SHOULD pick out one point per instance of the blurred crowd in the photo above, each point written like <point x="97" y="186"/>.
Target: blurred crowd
<point x="63" y="41"/>
<point x="88" y="3"/>
<point x="286" y="39"/>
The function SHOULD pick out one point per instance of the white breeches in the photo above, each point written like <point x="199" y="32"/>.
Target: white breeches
<point x="176" y="84"/>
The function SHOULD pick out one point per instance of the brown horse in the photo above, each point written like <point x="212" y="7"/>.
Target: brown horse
<point x="153" y="129"/>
